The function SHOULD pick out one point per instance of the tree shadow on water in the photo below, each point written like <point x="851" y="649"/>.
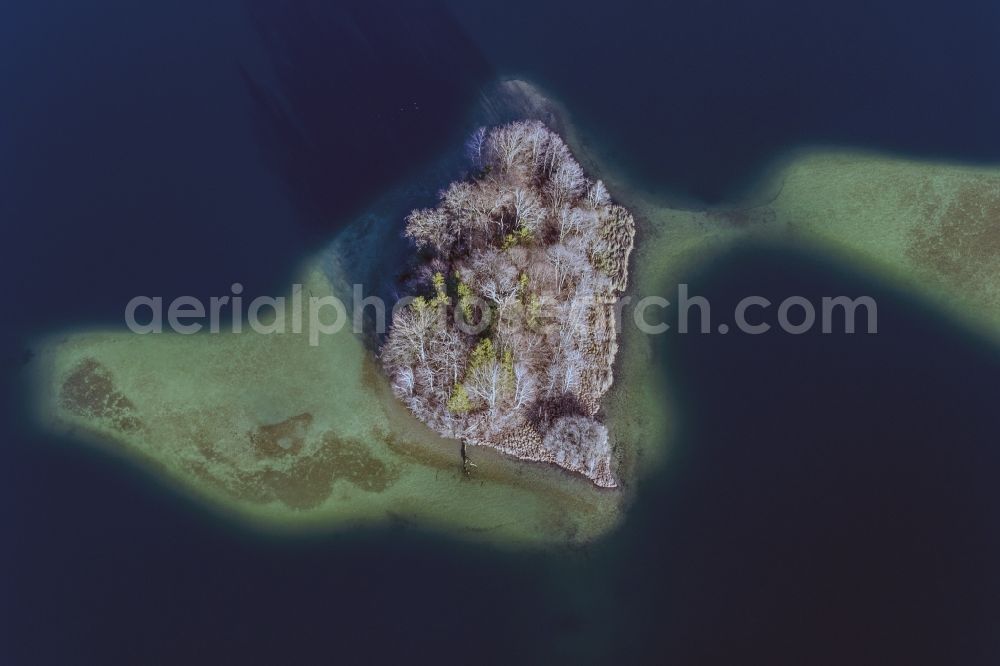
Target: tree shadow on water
<point x="362" y="92"/>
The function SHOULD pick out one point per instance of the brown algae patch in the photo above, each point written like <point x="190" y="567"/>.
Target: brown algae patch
<point x="304" y="483"/>
<point x="89" y="391"/>
<point x="350" y="459"/>
<point x="281" y="439"/>
<point x="309" y="482"/>
<point x="961" y="237"/>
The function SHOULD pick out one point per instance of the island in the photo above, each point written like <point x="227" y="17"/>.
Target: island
<point x="512" y="339"/>
<point x="282" y="435"/>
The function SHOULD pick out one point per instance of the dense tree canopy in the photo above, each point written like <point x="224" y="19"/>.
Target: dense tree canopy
<point x="511" y="341"/>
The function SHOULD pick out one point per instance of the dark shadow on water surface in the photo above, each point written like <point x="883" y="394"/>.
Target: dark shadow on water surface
<point x="364" y="91"/>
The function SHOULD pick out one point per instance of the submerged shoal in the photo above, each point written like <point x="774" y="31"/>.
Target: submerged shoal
<point x="284" y="435"/>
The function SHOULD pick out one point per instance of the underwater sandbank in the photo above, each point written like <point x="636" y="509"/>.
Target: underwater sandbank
<point x="284" y="435"/>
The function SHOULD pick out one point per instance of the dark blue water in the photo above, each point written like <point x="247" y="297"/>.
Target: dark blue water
<point x="831" y="499"/>
<point x="691" y="97"/>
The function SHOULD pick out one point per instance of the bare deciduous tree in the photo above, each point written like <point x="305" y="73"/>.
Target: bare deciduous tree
<point x="528" y="210"/>
<point x="485" y="383"/>
<point x="567" y="183"/>
<point x="431" y="228"/>
<point x="597" y="195"/>
<point x="412" y="328"/>
<point x="507" y="144"/>
<point x="475" y="147"/>
<point x="524" y="386"/>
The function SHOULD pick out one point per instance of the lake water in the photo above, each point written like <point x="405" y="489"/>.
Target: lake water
<point x="830" y="499"/>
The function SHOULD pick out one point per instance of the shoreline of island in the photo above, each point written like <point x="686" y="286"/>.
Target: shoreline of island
<point x="882" y="216"/>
